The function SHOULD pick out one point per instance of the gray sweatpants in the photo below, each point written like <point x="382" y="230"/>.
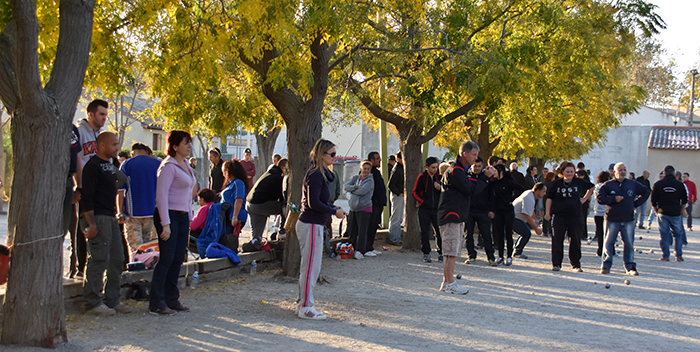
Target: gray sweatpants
<point x="105" y="252"/>
<point x="311" y="246"/>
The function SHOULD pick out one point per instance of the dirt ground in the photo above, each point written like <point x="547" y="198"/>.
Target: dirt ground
<point x="392" y="303"/>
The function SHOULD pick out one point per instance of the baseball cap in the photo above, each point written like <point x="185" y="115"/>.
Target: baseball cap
<point x="669" y="169"/>
<point x="247" y="151"/>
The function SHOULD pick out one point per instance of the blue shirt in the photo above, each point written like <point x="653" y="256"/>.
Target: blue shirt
<point x="141" y="177"/>
<point x="235" y="189"/>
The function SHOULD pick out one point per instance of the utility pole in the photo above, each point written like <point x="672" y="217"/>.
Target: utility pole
<point x="694" y="73"/>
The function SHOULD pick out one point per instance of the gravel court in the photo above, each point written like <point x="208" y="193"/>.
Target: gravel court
<point x="391" y="303"/>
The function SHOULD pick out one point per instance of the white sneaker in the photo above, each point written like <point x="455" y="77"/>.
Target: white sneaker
<point x="376" y="252"/>
<point x="370" y="254"/>
<point x="456" y="289"/>
<point x="358" y="255"/>
<point x="442" y="286"/>
<point x="311" y="314"/>
<point x="101" y="309"/>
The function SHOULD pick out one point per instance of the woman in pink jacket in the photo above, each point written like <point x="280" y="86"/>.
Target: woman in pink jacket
<point x="174" y="193"/>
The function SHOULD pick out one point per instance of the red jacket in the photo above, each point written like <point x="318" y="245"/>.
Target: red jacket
<point x="692" y="191"/>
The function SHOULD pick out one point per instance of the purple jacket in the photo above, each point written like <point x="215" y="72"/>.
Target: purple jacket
<point x="315" y="196"/>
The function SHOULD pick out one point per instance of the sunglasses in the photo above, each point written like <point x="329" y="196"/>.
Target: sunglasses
<point x="331" y="154"/>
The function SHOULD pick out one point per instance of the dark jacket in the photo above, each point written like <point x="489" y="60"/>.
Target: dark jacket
<point x="480" y="200"/>
<point x="396" y="184"/>
<point x="668" y="196"/>
<point x="379" y="195"/>
<point x="530" y="182"/>
<point x="315" y="197"/>
<point x="503" y="192"/>
<point x="644" y="181"/>
<point x="518" y="177"/>
<point x="216" y="177"/>
<point x="457" y="190"/>
<point x="424" y="191"/>
<point x="634" y="193"/>
<point x="268" y="187"/>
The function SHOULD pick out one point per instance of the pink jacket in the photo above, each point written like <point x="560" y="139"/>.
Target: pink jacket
<point x="174" y="189"/>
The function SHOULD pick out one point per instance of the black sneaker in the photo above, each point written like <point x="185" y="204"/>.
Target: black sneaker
<point x="426" y="258"/>
<point x="440" y="258"/>
<point x="521" y="256"/>
<point x="641" y="227"/>
<point x="162" y="311"/>
<point x="179" y="308"/>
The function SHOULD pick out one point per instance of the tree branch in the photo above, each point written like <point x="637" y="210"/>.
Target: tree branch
<point x="72" y="54"/>
<point x="8" y="80"/>
<point x="343" y="57"/>
<point x="451" y="116"/>
<point x="27" y="58"/>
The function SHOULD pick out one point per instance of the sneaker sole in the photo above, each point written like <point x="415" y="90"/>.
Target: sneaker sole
<point x="166" y="315"/>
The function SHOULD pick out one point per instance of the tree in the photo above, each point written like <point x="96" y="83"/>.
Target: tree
<point x="285" y="50"/>
<point x="489" y="65"/>
<point x="42" y="108"/>
<point x="648" y="68"/>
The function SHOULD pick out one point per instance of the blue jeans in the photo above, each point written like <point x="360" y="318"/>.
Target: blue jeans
<point x="164" y="290"/>
<point x="639" y="213"/>
<point x="626" y="231"/>
<point x="667" y="224"/>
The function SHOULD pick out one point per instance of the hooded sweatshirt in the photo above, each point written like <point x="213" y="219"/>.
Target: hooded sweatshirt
<point x="88" y="141"/>
<point x="361" y="191"/>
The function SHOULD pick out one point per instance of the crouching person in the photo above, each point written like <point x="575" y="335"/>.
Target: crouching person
<point x="104" y="243"/>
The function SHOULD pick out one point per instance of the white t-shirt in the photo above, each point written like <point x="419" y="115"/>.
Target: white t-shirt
<point x="524" y="205"/>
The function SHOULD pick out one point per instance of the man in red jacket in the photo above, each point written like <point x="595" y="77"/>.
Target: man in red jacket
<point x="426" y="191"/>
<point x="692" y="197"/>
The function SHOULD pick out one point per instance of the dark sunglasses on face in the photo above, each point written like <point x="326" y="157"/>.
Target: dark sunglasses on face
<point x="331" y="154"/>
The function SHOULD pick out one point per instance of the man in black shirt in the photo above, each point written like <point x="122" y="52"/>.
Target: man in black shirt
<point x="668" y="197"/>
<point x="104" y="239"/>
<point x="378" y="199"/>
<point x="396" y="186"/>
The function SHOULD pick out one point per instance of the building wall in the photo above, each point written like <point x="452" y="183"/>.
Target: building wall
<point x="681" y="160"/>
<point x="626" y="144"/>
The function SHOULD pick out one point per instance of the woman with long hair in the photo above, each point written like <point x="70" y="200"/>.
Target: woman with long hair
<point x="174" y="193"/>
<point x="234" y="193"/>
<point x="599" y="211"/>
<point x="315" y="209"/>
<point x="564" y="199"/>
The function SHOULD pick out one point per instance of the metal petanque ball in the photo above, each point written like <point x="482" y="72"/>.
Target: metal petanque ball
<point x="607" y="285"/>
<point x="627" y="282"/>
<point x="459" y="276"/>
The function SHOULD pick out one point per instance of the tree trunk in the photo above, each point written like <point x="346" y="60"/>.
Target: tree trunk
<point x="266" y="145"/>
<point x="302" y="134"/>
<point x="33" y="311"/>
<point x="412" y="164"/>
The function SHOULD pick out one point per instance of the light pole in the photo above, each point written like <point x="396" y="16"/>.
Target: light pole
<point x="694" y="73"/>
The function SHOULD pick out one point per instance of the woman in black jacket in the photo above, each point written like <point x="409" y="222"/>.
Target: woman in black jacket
<point x="503" y="192"/>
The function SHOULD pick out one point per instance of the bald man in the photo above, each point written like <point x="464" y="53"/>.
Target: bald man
<point x="104" y="239"/>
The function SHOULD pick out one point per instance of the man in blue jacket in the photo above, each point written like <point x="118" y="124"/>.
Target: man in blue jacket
<point x="621" y="195"/>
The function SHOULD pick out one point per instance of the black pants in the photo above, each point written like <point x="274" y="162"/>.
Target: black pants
<point x="428" y="220"/>
<point x="503" y="231"/>
<point x="484" y="223"/>
<point x="600" y="233"/>
<point x="373" y="224"/>
<point x="584" y="224"/>
<point x="357" y="229"/>
<point x="164" y="289"/>
<point x="522" y="229"/>
<point x="566" y="225"/>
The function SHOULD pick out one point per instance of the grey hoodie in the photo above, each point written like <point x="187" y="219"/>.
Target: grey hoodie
<point x="361" y="191"/>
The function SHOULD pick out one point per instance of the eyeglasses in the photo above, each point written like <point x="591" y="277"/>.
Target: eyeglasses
<point x="331" y="154"/>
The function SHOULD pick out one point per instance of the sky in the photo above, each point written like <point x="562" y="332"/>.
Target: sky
<point x="682" y="34"/>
